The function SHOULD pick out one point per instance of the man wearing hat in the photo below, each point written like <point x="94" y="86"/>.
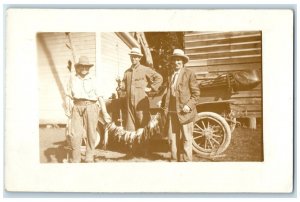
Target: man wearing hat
<point x="137" y="81"/>
<point x="180" y="105"/>
<point x="83" y="100"/>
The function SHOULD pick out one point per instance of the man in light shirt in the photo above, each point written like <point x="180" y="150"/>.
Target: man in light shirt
<point x="83" y="100"/>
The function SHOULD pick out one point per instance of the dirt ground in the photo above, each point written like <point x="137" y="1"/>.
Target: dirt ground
<point x="245" y="145"/>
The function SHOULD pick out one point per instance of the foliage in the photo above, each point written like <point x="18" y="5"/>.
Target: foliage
<point x="162" y="45"/>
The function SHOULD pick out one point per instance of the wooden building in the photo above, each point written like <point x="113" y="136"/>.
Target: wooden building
<point x="107" y="51"/>
<point x="215" y="53"/>
<point x="211" y="54"/>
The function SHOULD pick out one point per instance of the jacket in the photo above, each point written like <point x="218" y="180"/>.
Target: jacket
<point x="136" y="80"/>
<point x="187" y="93"/>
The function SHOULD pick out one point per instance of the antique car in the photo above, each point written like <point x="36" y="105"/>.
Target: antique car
<point x="215" y="121"/>
<point x="217" y="112"/>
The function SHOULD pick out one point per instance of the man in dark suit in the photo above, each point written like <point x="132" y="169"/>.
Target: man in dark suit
<point x="180" y="104"/>
<point x="138" y="80"/>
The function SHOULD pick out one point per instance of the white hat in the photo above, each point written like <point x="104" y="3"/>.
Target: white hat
<point x="136" y="51"/>
<point x="83" y="61"/>
<point x="180" y="53"/>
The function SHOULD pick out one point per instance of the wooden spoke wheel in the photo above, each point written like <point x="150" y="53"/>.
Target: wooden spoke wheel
<point x="211" y="134"/>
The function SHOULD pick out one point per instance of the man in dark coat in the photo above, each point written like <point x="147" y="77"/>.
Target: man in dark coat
<point x="137" y="81"/>
<point x="180" y="104"/>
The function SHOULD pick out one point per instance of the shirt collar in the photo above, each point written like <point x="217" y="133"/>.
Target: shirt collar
<point x="177" y="72"/>
<point x="85" y="78"/>
<point x="135" y="66"/>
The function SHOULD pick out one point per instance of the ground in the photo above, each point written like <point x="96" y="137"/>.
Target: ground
<point x="245" y="145"/>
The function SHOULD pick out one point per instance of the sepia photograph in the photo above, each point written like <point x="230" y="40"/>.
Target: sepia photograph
<point x="149" y="100"/>
<point x="212" y="112"/>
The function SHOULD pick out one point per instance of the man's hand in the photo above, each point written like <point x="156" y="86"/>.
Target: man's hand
<point x="106" y="117"/>
<point x="158" y="104"/>
<point x="186" y="109"/>
<point x="118" y="79"/>
<point x="147" y="90"/>
<point x="68" y="106"/>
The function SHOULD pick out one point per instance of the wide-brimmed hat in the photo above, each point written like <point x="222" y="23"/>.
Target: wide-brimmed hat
<point x="83" y="61"/>
<point x="180" y="53"/>
<point x="136" y="51"/>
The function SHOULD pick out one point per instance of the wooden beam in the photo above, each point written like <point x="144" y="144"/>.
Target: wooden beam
<point x="209" y="72"/>
<point x="220" y="54"/>
<point x="249" y="107"/>
<point x="223" y="47"/>
<point x="232" y="60"/>
<point x="243" y="94"/>
<point x="223" y="40"/>
<point x="252" y="123"/>
<point x="211" y="35"/>
<point x="247" y="101"/>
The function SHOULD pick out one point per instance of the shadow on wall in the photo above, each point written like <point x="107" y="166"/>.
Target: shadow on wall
<point x="45" y="49"/>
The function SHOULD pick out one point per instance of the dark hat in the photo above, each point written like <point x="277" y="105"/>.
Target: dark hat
<point x="83" y="61"/>
<point x="180" y="53"/>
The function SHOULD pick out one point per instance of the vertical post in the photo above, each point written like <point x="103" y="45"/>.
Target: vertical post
<point x="142" y="40"/>
<point x="252" y="123"/>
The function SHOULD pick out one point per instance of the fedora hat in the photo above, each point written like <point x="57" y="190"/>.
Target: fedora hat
<point x="136" y="51"/>
<point x="83" y="61"/>
<point x="180" y="53"/>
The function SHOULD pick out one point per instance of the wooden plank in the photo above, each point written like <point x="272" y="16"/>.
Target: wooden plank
<point x="205" y="79"/>
<point x="77" y="44"/>
<point x="248" y="114"/>
<point x="206" y="99"/>
<point x="247" y="101"/>
<point x="247" y="94"/>
<point x="223" y="51"/>
<point x="215" y="53"/>
<point x="208" y="76"/>
<point x="223" y="47"/>
<point x="257" y="88"/>
<point x="225" y="61"/>
<point x="223" y="40"/>
<point x="212" y="69"/>
<point x="192" y="33"/>
<point x="246" y="109"/>
<point x="220" y="54"/>
<point x="220" y="36"/>
<point x="252" y="123"/>
<point x="212" y="35"/>
<point x="249" y="108"/>
<point x="83" y="34"/>
<point x="63" y="40"/>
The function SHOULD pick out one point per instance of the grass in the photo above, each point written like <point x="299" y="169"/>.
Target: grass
<point x="245" y="145"/>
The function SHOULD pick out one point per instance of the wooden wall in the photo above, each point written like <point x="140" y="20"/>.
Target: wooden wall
<point x="214" y="53"/>
<point x="52" y="58"/>
<point x="110" y="52"/>
<point x="113" y="61"/>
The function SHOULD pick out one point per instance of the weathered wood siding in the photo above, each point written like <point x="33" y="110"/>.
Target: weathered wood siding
<point x="113" y="61"/>
<point x="214" y="53"/>
<point x="53" y="56"/>
<point x="107" y="49"/>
